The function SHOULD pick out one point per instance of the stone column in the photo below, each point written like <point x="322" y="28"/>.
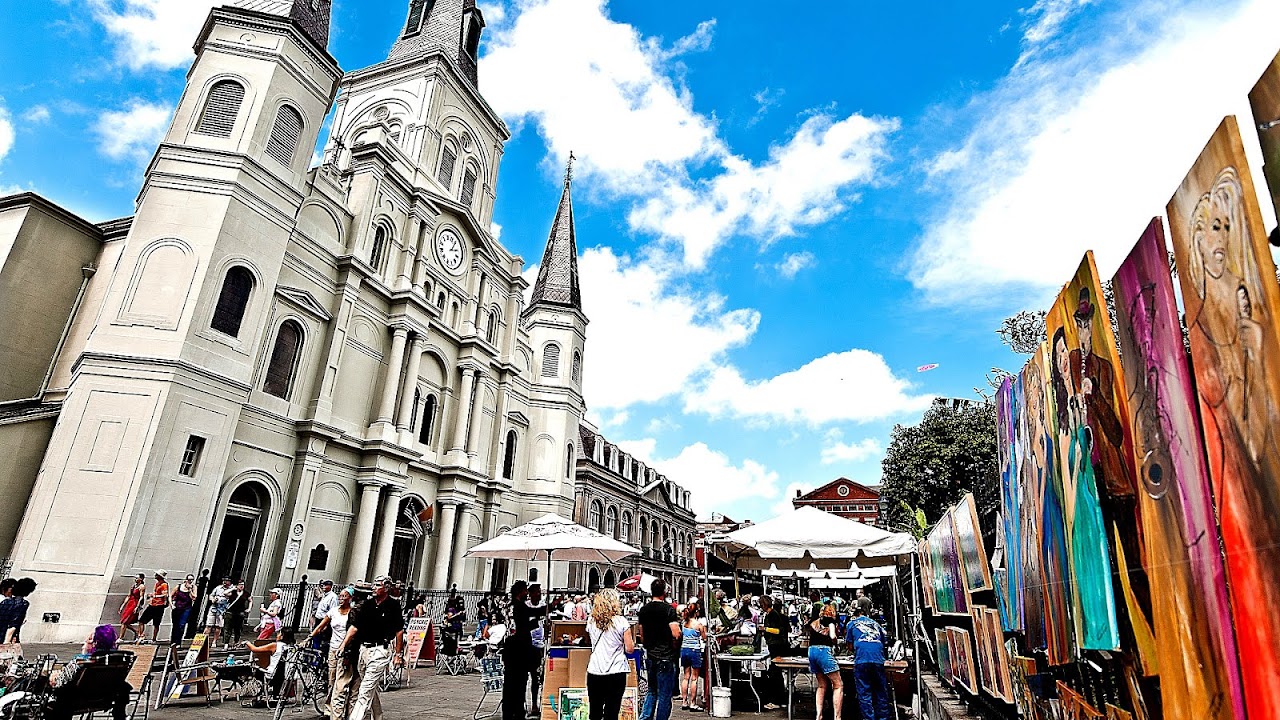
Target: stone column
<point x="464" y="410"/>
<point x="460" y="538"/>
<point x="444" y="546"/>
<point x="420" y="265"/>
<point x="513" y="324"/>
<point x="362" y="536"/>
<point x="499" y="431"/>
<point x="387" y="536"/>
<point x="477" y="410"/>
<point x="408" y="252"/>
<point x="387" y="405"/>
<point x="404" y="419"/>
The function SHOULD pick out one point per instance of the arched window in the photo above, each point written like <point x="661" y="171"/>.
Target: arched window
<point x="593" y="517"/>
<point x="285" y="135"/>
<point x="448" y="158"/>
<point x="379" y="250"/>
<point x="228" y="314"/>
<point x="611" y="522"/>
<point x="455" y="314"/>
<point x="440" y="301"/>
<point x="509" y="458"/>
<point x="491" y="329"/>
<point x="577" y="366"/>
<point x="644" y="534"/>
<point x="428" y="420"/>
<point x="218" y="118"/>
<point x="468" y="186"/>
<point x="626" y="527"/>
<point x="418" y="12"/>
<point x="473" y="39"/>
<point x="284" y="360"/>
<point x="413" y="414"/>
<point x="569" y="462"/>
<point x="551" y="360"/>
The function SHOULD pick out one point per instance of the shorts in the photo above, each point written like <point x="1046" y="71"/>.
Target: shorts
<point x="154" y="614"/>
<point x="691" y="658"/>
<point x="821" y="660"/>
<point x="213" y="620"/>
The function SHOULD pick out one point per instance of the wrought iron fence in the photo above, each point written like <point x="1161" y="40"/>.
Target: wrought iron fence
<point x="6" y="567"/>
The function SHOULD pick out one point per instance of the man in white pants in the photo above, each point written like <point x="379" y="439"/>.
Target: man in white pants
<point x="378" y="626"/>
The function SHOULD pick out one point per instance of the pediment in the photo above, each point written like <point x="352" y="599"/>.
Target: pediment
<point x="304" y="301"/>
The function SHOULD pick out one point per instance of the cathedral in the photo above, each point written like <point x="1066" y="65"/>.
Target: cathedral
<point x="274" y="370"/>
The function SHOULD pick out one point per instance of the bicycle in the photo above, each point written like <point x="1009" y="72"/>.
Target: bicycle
<point x="306" y="680"/>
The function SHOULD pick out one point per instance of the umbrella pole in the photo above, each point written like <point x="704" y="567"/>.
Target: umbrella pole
<point x="915" y="638"/>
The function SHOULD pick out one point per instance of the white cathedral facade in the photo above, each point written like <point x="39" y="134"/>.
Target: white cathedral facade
<point x="273" y="371"/>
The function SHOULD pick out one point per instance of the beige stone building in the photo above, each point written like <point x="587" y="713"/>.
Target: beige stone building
<point x="270" y="370"/>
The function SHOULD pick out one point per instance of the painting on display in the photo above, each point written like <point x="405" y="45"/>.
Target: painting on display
<point x="1191" y="615"/>
<point x="983" y="653"/>
<point x="1230" y="299"/>
<point x="999" y="657"/>
<point x="1086" y="385"/>
<point x="1046" y="581"/>
<point x="961" y="648"/>
<point x="1008" y="410"/>
<point x="1022" y="669"/>
<point x="973" y="555"/>
<point x="1264" y="101"/>
<point x="942" y="647"/>
<point x="947" y="576"/>
<point x="574" y="704"/>
<point x="927" y="591"/>
<point x="1075" y="706"/>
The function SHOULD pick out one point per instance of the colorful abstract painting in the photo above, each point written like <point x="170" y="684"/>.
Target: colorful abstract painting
<point x="948" y="578"/>
<point x="1008" y="412"/>
<point x="1191" y="614"/>
<point x="942" y="647"/>
<point x="983" y="653"/>
<point x="1000" y="669"/>
<point x="927" y="591"/>
<point x="1231" y="299"/>
<point x="973" y="554"/>
<point x="1046" y="588"/>
<point x="961" y="650"/>
<point x="1086" y="385"/>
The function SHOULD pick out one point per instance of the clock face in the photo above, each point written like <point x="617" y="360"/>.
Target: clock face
<point x="449" y="250"/>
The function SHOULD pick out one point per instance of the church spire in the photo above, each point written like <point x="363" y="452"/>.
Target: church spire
<point x="312" y="16"/>
<point x="446" y="27"/>
<point x="558" y="276"/>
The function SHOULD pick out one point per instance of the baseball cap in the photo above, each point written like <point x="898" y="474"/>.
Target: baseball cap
<point x="275" y="590"/>
<point x="382" y="579"/>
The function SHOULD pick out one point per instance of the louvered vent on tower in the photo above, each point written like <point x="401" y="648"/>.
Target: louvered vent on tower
<point x="285" y="135"/>
<point x="221" y="109"/>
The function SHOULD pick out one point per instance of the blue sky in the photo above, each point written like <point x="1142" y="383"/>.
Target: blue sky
<point x="781" y="214"/>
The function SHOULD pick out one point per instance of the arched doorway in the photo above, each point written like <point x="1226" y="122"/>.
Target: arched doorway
<point x="240" y="538"/>
<point x="610" y="580"/>
<point x="408" y="539"/>
<point x="593" y="580"/>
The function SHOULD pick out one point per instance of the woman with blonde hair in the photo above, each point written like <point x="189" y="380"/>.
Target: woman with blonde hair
<point x="611" y="640"/>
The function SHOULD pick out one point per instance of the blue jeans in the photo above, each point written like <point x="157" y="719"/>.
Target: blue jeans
<point x="663" y="675"/>
<point x="873" y="691"/>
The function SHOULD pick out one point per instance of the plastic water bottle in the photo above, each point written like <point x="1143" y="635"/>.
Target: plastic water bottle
<point x="231" y="660"/>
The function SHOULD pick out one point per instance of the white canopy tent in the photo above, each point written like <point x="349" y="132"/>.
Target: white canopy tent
<point x="811" y="539"/>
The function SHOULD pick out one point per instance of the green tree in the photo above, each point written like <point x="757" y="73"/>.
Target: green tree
<point x="931" y="465"/>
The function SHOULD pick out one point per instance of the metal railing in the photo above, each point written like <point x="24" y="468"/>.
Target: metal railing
<point x="6" y="567"/>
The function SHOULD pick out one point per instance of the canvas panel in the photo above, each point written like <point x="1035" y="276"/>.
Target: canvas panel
<point x="1231" y="298"/>
<point x="1008" y="410"/>
<point x="1194" y="638"/>
<point x="973" y="553"/>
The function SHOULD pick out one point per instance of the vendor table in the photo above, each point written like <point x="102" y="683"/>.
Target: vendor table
<point x="744" y="663"/>
<point x="793" y="666"/>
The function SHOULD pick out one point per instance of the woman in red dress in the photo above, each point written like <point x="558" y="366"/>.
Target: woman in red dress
<point x="129" y="611"/>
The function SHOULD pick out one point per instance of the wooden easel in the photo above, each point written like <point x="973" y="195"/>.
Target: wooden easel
<point x="192" y="677"/>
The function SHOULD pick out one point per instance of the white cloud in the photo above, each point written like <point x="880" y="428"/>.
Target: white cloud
<point x="856" y="385"/>
<point x="784" y="503"/>
<point x="587" y="82"/>
<point x="132" y="133"/>
<point x="793" y="263"/>
<point x="153" y="33"/>
<point x="633" y="307"/>
<point x="1046" y="18"/>
<point x="697" y="41"/>
<point x="36" y="115"/>
<point x="6" y="132"/>
<point x="839" y="452"/>
<point x="713" y="480"/>
<point x="1079" y="151"/>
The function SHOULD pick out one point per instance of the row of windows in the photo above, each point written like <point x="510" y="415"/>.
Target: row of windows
<point x="222" y="108"/>
<point x="449" y="165"/>
<point x="551" y="363"/>
<point x="851" y="508"/>
<point x="228" y="317"/>
<point x="607" y="522"/>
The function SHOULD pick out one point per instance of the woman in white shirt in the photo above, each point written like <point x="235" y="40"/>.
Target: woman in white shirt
<point x="611" y="640"/>
<point x="496" y="631"/>
<point x="341" y="672"/>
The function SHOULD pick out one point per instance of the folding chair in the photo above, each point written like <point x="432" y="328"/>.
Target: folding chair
<point x="491" y="675"/>
<point x="139" y="680"/>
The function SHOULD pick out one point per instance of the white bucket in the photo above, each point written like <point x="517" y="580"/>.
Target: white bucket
<point x="721" y="699"/>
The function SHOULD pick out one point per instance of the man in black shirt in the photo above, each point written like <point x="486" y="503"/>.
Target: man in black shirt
<point x="519" y="657"/>
<point x="775" y="627"/>
<point x="660" y="634"/>
<point x="378" y="626"/>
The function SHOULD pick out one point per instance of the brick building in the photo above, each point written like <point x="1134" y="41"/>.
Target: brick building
<point x="845" y="498"/>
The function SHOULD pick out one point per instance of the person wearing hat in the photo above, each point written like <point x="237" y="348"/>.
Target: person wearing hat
<point x="328" y="601"/>
<point x="156" y="603"/>
<point x="271" y="622"/>
<point x="215" y="619"/>
<point x="519" y="657"/>
<point x="377" y="627"/>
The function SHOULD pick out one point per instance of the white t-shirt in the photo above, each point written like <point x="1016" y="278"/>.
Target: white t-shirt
<point x="497" y="633"/>
<point x="608" y="648"/>
<point x="338" y="624"/>
<point x="281" y="648"/>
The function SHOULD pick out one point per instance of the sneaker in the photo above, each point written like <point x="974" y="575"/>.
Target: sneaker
<point x="772" y="706"/>
<point x="697" y="708"/>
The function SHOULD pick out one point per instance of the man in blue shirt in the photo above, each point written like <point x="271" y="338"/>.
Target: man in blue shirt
<point x="867" y="638"/>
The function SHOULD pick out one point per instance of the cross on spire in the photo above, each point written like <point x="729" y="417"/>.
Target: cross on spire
<point x="568" y="169"/>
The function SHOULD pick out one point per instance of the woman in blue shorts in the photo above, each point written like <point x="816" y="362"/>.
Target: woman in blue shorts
<point x="692" y="638"/>
<point x="823" y="631"/>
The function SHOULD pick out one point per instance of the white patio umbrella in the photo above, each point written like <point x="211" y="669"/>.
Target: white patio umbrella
<point x="553" y="537"/>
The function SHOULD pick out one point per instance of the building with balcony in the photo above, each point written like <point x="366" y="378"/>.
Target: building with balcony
<point x="845" y="498"/>
<point x="618" y="495"/>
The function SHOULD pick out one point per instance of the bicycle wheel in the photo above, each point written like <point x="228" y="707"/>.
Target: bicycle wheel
<point x="319" y="692"/>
